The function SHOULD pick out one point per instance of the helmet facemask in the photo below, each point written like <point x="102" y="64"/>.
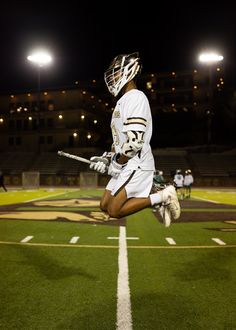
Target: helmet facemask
<point x="122" y="70"/>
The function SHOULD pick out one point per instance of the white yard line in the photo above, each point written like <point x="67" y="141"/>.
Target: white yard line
<point x="74" y="239"/>
<point x="26" y="239"/>
<point x="218" y="241"/>
<point x="124" y="317"/>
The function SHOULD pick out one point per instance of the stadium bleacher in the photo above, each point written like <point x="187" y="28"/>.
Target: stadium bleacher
<point x="203" y="165"/>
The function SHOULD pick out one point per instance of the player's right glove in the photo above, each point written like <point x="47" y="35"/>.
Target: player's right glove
<point x="99" y="164"/>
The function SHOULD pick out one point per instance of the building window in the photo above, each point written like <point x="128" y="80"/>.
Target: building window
<point x="11" y="141"/>
<point x="49" y="140"/>
<point x="11" y="124"/>
<point x="42" y="139"/>
<point x="19" y="124"/>
<point x="26" y="124"/>
<point x="42" y="123"/>
<point x="50" y="105"/>
<point x="18" y="140"/>
<point x="50" y="122"/>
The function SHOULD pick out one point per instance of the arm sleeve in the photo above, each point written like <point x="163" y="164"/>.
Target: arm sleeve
<point x="136" y="114"/>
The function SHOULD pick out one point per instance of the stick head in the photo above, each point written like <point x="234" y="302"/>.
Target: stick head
<point x="60" y="153"/>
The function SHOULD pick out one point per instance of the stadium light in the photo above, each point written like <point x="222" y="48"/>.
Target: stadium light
<point x="40" y="58"/>
<point x="210" y="59"/>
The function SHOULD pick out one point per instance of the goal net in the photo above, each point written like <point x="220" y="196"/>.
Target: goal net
<point x="30" y="180"/>
<point x="88" y="179"/>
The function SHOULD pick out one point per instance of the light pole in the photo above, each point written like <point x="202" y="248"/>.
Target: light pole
<point x="210" y="59"/>
<point x="39" y="58"/>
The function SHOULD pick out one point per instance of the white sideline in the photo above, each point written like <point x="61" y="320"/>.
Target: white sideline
<point x="206" y="200"/>
<point x="124" y="318"/>
<point x="42" y="197"/>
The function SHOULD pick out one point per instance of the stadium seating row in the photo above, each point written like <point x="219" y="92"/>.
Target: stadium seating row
<point x="201" y="164"/>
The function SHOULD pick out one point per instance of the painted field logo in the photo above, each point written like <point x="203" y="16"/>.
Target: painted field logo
<point x="80" y="210"/>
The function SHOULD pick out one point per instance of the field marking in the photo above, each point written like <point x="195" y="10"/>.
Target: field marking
<point x="206" y="200"/>
<point x="123" y="314"/>
<point x="170" y="241"/>
<point x="131" y="238"/>
<point x="218" y="241"/>
<point x="36" y="199"/>
<point x="26" y="239"/>
<point x="61" y="245"/>
<point x="173" y="247"/>
<point x="74" y="239"/>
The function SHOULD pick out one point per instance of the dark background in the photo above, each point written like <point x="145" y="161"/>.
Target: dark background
<point x="84" y="37"/>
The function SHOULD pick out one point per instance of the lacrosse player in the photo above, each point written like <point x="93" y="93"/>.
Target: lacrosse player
<point x="188" y="181"/>
<point x="130" y="163"/>
<point x="179" y="182"/>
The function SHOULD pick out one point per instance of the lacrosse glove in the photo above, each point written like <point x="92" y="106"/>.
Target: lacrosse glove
<point x="100" y="163"/>
<point x="115" y="168"/>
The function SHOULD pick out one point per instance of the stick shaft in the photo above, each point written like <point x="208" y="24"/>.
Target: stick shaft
<point x="80" y="159"/>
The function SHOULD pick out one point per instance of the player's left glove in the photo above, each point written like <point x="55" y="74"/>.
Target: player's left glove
<point x="115" y="168"/>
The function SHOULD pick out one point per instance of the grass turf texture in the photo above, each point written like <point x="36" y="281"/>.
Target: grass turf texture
<point x="55" y="287"/>
<point x="183" y="289"/>
<point x="43" y="288"/>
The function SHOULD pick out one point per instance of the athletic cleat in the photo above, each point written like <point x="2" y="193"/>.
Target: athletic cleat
<point x="164" y="213"/>
<point x="171" y="202"/>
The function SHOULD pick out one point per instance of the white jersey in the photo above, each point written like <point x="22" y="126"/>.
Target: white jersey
<point x="179" y="180"/>
<point x="188" y="180"/>
<point x="133" y="113"/>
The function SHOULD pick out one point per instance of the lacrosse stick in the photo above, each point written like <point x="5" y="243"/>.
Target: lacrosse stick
<point x="80" y="159"/>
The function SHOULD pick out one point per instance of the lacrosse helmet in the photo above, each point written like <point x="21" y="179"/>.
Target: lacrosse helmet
<point x="122" y="69"/>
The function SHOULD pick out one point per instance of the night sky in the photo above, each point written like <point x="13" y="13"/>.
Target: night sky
<point x="84" y="37"/>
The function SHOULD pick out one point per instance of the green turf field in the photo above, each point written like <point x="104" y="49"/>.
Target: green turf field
<point x="62" y="266"/>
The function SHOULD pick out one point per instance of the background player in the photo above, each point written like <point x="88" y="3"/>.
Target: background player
<point x="179" y="181"/>
<point x="188" y="181"/>
<point x="131" y="163"/>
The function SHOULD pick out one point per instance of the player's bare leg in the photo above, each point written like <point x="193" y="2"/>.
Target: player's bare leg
<point x="105" y="200"/>
<point x="119" y="206"/>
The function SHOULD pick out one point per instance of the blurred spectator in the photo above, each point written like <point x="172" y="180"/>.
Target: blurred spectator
<point x="2" y="181"/>
<point x="188" y="181"/>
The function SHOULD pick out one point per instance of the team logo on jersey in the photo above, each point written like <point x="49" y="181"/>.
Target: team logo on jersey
<point x="116" y="140"/>
<point x="116" y="114"/>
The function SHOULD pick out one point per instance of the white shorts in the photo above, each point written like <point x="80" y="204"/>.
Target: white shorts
<point x="137" y="183"/>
